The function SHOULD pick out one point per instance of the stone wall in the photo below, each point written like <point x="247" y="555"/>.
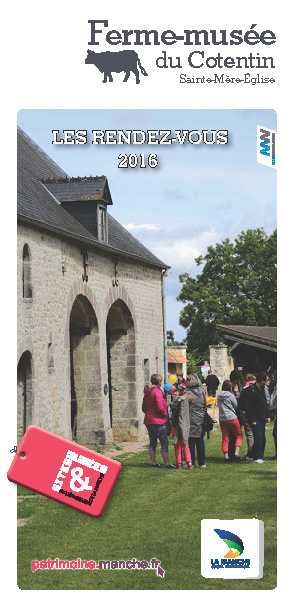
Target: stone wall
<point x="56" y="268"/>
<point x="220" y="363"/>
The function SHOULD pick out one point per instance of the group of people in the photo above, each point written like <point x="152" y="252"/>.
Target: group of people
<point x="247" y="404"/>
<point x="186" y="422"/>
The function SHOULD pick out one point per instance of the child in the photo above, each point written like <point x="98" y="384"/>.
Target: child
<point x="181" y="427"/>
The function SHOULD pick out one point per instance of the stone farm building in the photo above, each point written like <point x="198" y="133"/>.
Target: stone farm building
<point x="90" y="307"/>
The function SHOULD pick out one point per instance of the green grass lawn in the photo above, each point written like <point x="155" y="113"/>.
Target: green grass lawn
<point x="151" y="513"/>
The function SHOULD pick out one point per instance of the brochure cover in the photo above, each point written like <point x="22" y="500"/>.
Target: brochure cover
<point x="147" y="144"/>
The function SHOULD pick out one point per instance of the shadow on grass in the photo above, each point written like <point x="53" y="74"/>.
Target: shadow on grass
<point x="216" y="460"/>
<point x="146" y="466"/>
<point x="211" y="461"/>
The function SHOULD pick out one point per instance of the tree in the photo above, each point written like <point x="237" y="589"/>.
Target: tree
<point x="237" y="286"/>
<point x="171" y="339"/>
<point x="192" y="365"/>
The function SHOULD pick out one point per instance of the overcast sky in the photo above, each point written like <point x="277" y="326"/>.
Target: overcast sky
<point x="197" y="195"/>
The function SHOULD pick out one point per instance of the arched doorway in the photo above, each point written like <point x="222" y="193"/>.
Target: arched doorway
<point x="121" y="361"/>
<point x="86" y="410"/>
<point x="24" y="394"/>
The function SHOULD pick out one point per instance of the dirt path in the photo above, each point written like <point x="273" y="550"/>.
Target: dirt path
<point x="21" y="521"/>
<point x="130" y="448"/>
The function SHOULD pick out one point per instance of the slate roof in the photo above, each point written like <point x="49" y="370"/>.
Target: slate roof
<point x="38" y="206"/>
<point x="90" y="188"/>
<point x="264" y="336"/>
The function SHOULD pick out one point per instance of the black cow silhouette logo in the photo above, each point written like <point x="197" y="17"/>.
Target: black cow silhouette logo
<point x="125" y="60"/>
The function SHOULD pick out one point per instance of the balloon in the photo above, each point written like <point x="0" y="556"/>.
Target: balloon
<point x="172" y="379"/>
<point x="168" y="386"/>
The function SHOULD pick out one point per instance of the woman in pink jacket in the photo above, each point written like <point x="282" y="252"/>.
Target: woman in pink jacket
<point x="154" y="407"/>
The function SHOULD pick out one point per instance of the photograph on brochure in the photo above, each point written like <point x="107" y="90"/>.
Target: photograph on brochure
<point x="146" y="290"/>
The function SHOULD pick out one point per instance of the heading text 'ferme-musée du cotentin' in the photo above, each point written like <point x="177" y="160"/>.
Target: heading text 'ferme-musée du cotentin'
<point x="191" y="37"/>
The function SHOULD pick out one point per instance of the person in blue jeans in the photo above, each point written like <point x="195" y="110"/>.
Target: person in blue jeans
<point x="154" y="407"/>
<point x="257" y="413"/>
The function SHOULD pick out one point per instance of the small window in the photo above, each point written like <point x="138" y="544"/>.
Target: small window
<point x="50" y="358"/>
<point x="26" y="273"/>
<point x="146" y="372"/>
<point x="102" y="227"/>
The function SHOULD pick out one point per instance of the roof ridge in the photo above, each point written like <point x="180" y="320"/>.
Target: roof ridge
<point x="73" y="179"/>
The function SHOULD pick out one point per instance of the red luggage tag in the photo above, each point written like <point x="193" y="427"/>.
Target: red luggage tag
<point x="64" y="471"/>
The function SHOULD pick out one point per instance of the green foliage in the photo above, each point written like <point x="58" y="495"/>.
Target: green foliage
<point x="237" y="286"/>
<point x="193" y="364"/>
<point x="171" y="339"/>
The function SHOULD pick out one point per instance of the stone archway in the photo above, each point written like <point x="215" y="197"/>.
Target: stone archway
<point x="24" y="394"/>
<point x="121" y="359"/>
<point x="86" y="407"/>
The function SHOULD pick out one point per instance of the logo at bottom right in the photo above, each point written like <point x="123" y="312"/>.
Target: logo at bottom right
<point x="232" y="549"/>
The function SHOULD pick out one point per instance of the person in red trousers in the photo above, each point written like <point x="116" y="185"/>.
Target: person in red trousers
<point x="181" y="427"/>
<point x="228" y="420"/>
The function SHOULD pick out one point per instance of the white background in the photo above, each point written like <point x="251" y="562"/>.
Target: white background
<point x="43" y="51"/>
<point x="213" y="547"/>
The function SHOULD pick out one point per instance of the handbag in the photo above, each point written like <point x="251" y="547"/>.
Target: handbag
<point x="207" y="424"/>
